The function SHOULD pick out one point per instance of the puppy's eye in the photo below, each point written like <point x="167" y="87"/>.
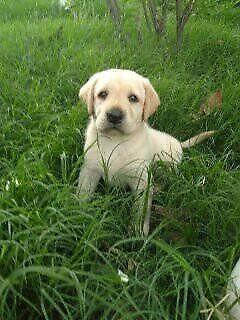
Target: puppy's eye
<point x="103" y="94"/>
<point x="133" y="98"/>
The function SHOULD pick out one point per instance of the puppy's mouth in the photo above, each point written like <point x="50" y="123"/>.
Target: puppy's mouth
<point x="114" y="127"/>
<point x="111" y="128"/>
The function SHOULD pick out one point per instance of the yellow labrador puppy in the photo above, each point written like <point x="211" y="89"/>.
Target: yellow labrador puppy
<point x="120" y="145"/>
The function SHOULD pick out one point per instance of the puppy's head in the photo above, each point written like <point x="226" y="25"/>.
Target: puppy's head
<point x="119" y="100"/>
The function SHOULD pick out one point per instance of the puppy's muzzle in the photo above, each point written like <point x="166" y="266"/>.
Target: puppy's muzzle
<point x="115" y="116"/>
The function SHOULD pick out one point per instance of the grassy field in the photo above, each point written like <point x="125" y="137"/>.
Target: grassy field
<point x="59" y="257"/>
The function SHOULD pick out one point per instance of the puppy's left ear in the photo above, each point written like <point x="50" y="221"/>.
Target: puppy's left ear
<point x="152" y="100"/>
<point x="86" y="93"/>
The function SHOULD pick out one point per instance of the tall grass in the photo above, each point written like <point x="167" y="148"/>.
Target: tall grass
<point x="59" y="255"/>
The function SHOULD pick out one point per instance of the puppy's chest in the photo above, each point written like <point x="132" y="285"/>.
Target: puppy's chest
<point x="121" y="157"/>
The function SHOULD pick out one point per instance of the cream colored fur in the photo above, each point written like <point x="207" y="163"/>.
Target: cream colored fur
<point x="124" y="153"/>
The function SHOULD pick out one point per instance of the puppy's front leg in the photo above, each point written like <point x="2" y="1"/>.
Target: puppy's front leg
<point x="88" y="180"/>
<point x="144" y="191"/>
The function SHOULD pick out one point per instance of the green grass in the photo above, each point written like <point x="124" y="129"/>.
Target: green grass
<point x="59" y="256"/>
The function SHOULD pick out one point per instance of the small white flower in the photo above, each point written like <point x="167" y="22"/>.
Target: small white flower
<point x="123" y="276"/>
<point x="7" y="185"/>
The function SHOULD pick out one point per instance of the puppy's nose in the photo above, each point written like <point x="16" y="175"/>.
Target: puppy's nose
<point x="115" y="116"/>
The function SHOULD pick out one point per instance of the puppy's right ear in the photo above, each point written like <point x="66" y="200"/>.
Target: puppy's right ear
<point x="86" y="93"/>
